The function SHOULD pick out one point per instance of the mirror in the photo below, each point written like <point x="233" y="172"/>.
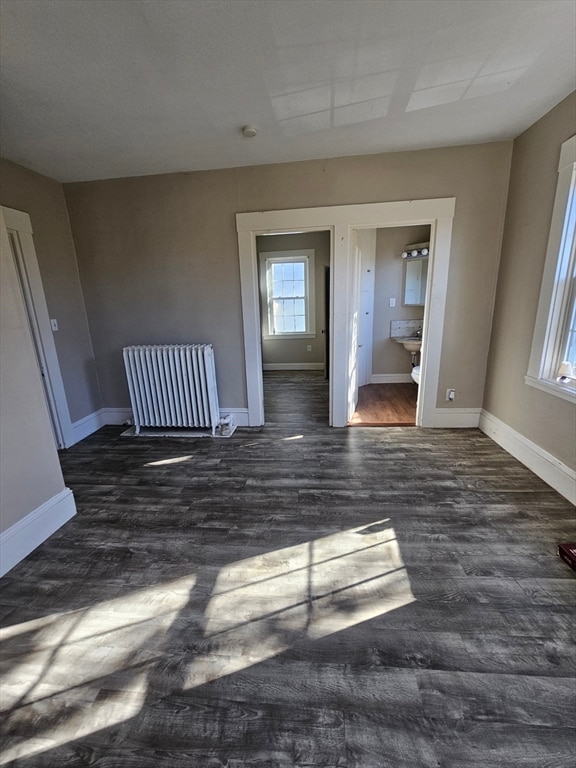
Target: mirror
<point x="415" y="275"/>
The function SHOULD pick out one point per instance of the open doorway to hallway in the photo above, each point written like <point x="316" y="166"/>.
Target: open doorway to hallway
<point x="294" y="302"/>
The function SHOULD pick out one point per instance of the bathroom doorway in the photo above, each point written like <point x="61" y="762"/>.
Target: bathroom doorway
<point x="393" y="288"/>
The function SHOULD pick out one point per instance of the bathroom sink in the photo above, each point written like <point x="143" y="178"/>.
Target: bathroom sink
<point x="411" y="343"/>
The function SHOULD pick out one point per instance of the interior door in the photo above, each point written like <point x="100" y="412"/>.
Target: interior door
<point x="367" y="248"/>
<point x="326" y="330"/>
<point x="22" y="247"/>
<point x="354" y="264"/>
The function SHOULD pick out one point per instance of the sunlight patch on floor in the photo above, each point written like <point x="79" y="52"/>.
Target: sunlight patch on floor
<point x="163" y="462"/>
<point x="263" y="605"/>
<point x="86" y="669"/>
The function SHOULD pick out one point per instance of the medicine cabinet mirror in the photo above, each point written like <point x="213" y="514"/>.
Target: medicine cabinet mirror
<point x="415" y="276"/>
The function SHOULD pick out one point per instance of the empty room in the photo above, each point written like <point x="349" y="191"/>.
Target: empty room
<point x="288" y="383"/>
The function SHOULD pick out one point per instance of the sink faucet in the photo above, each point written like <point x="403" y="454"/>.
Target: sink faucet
<point x="419" y="333"/>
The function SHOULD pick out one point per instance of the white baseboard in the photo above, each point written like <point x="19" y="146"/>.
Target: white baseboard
<point x="456" y="418"/>
<point x="23" y="537"/>
<point x="391" y="378"/>
<point x="293" y="366"/>
<point x="116" y="416"/>
<point x="240" y="415"/>
<point x="548" y="468"/>
<point x="86" y="426"/>
<point x="94" y="421"/>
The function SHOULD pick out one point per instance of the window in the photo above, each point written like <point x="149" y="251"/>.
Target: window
<point x="288" y="281"/>
<point x="553" y="358"/>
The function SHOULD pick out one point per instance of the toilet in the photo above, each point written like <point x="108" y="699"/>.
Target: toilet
<point x="416" y="374"/>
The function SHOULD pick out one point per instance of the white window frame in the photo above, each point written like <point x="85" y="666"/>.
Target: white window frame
<point x="275" y="257"/>
<point x="556" y="292"/>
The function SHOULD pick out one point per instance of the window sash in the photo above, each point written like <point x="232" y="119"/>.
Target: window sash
<point x="557" y="295"/>
<point x="289" y="294"/>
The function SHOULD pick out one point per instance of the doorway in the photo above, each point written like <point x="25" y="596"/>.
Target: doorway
<point x="21" y="242"/>
<point x="390" y="309"/>
<point x="343" y="222"/>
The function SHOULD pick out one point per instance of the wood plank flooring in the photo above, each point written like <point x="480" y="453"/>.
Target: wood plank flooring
<point x="294" y="597"/>
<point x="381" y="405"/>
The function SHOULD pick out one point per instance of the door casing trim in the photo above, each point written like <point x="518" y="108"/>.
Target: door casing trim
<point x="341" y="221"/>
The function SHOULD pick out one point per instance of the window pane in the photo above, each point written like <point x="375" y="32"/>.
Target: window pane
<point x="570" y="341"/>
<point x="299" y="270"/>
<point x="299" y="289"/>
<point x="287" y="299"/>
<point x="300" y="324"/>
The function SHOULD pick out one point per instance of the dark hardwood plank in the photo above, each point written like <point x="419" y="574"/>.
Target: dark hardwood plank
<point x="294" y="597"/>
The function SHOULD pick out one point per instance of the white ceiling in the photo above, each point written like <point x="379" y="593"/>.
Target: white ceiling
<point x="103" y="89"/>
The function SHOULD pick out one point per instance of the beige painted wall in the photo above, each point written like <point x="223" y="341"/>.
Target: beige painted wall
<point x="541" y="417"/>
<point x="294" y="350"/>
<point x="387" y="355"/>
<point x="29" y="468"/>
<point x="43" y="199"/>
<point x="158" y="255"/>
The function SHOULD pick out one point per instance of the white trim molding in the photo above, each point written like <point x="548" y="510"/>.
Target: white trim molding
<point x="548" y="468"/>
<point x="391" y="378"/>
<point x="456" y="418"/>
<point x="27" y="534"/>
<point x="343" y="222"/>
<point x="95" y="421"/>
<point x="86" y="426"/>
<point x="293" y="367"/>
<point x="240" y="415"/>
<point x="18" y="224"/>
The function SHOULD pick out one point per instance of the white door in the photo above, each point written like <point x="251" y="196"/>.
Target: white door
<point x="367" y="246"/>
<point x="354" y="320"/>
<point x="22" y="247"/>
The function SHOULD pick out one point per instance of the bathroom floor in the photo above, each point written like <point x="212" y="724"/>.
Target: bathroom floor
<point x="389" y="405"/>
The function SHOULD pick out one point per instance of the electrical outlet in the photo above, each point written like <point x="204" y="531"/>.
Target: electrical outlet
<point x="450" y="395"/>
<point x="392" y="302"/>
<point x="309" y="348"/>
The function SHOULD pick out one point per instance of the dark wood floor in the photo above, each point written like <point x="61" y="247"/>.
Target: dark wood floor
<point x="295" y="596"/>
<point x="382" y="405"/>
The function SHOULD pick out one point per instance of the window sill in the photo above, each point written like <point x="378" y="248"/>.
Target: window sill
<point x="553" y="388"/>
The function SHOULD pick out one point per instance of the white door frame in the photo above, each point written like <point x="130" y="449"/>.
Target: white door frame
<point x="341" y="221"/>
<point x="19" y="226"/>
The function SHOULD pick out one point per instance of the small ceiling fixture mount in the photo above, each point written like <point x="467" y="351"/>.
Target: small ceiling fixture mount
<point x="249" y="131"/>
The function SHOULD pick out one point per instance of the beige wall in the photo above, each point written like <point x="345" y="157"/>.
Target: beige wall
<point x="158" y="255"/>
<point x="29" y="469"/>
<point x="387" y="355"/>
<point x="294" y="351"/>
<point x="43" y="200"/>
<point x="543" y="418"/>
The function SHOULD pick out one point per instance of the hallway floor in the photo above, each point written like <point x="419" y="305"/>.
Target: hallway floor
<point x="294" y="596"/>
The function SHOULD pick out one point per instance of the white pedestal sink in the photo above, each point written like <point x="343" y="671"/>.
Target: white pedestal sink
<point x="411" y="343"/>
